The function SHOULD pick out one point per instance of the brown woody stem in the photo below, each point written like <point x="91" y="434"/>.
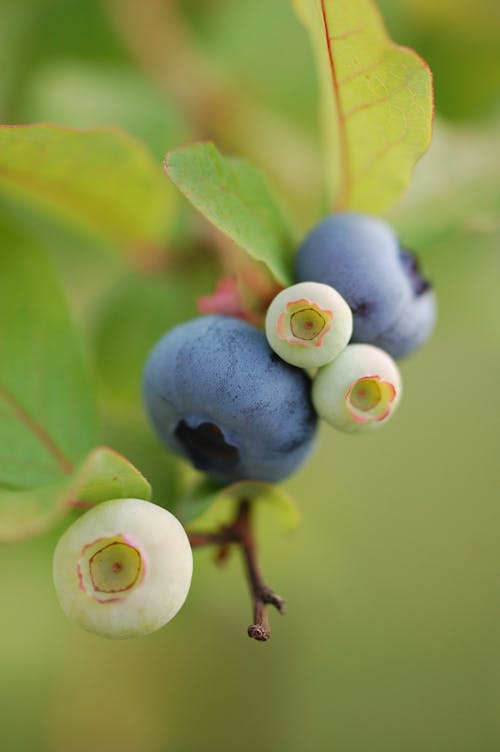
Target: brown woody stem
<point x="240" y="532"/>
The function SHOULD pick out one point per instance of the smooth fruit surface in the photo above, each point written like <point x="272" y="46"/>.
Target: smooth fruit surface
<point x="217" y="394"/>
<point x="123" y="569"/>
<point x="412" y="328"/>
<point x="360" y="256"/>
<point x="359" y="390"/>
<point x="308" y="324"/>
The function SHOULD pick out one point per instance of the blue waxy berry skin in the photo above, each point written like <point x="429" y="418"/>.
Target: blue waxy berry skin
<point x="412" y="328"/>
<point x="359" y="255"/>
<point x="217" y="394"/>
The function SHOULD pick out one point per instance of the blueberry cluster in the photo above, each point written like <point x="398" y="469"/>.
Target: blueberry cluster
<point x="241" y="404"/>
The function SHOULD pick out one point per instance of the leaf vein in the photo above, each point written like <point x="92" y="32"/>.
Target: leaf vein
<point x="345" y="35"/>
<point x="375" y="102"/>
<point x="368" y="167"/>
<point x="361" y="72"/>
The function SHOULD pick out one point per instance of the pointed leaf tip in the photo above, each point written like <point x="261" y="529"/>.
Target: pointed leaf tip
<point x="235" y="197"/>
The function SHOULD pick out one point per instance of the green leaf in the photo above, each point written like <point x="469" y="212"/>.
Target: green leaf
<point x="106" y="474"/>
<point x="47" y="407"/>
<point x="48" y="424"/>
<point x="377" y="103"/>
<point x="235" y="197"/>
<point x="196" y="500"/>
<point x="455" y="188"/>
<point x="212" y="506"/>
<point x="104" y="180"/>
<point x="103" y="475"/>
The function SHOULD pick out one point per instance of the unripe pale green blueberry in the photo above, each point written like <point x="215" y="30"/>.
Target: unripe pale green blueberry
<point x="123" y="569"/>
<point x="308" y="324"/>
<point x="359" y="390"/>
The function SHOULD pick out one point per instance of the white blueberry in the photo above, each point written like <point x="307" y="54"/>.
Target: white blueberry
<point x="359" y="390"/>
<point x="308" y="324"/>
<point x="123" y="569"/>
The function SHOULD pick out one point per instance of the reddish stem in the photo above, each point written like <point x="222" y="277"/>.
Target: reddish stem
<point x="240" y="532"/>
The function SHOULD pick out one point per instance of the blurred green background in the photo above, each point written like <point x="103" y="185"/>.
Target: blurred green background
<point x="391" y="642"/>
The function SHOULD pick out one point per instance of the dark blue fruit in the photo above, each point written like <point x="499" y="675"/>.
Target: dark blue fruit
<point x="393" y="306"/>
<point x="217" y="394"/>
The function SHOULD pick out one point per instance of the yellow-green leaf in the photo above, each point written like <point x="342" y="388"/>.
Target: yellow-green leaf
<point x="106" y="474"/>
<point x="102" y="179"/>
<point x="377" y="103"/>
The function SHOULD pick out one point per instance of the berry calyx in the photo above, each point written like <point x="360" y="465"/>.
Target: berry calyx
<point x="370" y="398"/>
<point x="307" y="323"/>
<point x="110" y="568"/>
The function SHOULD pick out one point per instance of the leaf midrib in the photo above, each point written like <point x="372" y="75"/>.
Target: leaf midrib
<point x="344" y="189"/>
<point x="36" y="430"/>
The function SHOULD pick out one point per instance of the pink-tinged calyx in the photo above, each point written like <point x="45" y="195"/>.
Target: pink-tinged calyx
<point x="304" y="322"/>
<point x="370" y="399"/>
<point x="225" y="300"/>
<point x="245" y="296"/>
<point x="110" y="568"/>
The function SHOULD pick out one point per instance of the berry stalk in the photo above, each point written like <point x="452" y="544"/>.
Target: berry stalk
<point x="240" y="532"/>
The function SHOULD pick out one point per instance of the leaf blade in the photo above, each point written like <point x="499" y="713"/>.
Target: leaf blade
<point x="211" y="506"/>
<point x="377" y="103"/>
<point x="27" y="513"/>
<point x="101" y="179"/>
<point x="233" y="195"/>
<point x="103" y="475"/>
<point x="48" y="418"/>
<point x="107" y="474"/>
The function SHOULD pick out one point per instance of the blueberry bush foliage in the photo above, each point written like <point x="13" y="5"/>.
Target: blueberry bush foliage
<point x="101" y="253"/>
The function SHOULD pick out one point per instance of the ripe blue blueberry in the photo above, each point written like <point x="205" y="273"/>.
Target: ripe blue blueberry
<point x="217" y="394"/>
<point x="392" y="305"/>
<point x="416" y="320"/>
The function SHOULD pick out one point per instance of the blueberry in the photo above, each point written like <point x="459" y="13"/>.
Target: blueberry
<point x="308" y="324"/>
<point x="217" y="394"/>
<point x="411" y="328"/>
<point x="123" y="569"/>
<point x="359" y="390"/>
<point x="411" y="266"/>
<point x="393" y="306"/>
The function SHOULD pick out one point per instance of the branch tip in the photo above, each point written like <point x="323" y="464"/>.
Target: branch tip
<point x="240" y="532"/>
